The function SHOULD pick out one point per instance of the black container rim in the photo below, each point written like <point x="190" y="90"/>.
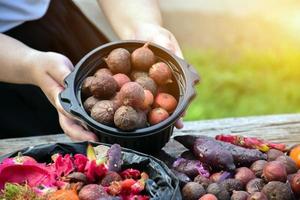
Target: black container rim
<point x="77" y="109"/>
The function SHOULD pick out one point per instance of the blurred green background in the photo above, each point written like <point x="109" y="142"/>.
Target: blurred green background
<point x="247" y="82"/>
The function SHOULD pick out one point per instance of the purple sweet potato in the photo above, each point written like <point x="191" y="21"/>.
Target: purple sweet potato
<point x="208" y="151"/>
<point x="241" y="156"/>
<point x="191" y="168"/>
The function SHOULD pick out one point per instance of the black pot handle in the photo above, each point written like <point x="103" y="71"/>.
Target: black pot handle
<point x="192" y="78"/>
<point x="66" y="95"/>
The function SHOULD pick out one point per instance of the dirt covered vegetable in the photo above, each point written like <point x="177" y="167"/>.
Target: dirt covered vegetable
<point x="239" y="173"/>
<point x="108" y="175"/>
<point x="130" y="79"/>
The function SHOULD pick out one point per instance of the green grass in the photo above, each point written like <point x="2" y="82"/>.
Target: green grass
<point x="245" y="82"/>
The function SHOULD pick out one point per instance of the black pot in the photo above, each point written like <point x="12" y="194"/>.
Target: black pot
<point x="150" y="139"/>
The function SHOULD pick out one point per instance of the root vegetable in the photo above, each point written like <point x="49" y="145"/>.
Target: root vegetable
<point x="191" y="168"/>
<point x="220" y="176"/>
<point x="77" y="177"/>
<point x="257" y="167"/>
<point x="121" y="79"/>
<point x="289" y="164"/>
<point x="132" y="94"/>
<point x="92" y="192"/>
<point x="137" y="74"/>
<point x="255" y="185"/>
<point x="239" y="195"/>
<point x="103" y="112"/>
<point x="142" y="119"/>
<point x="148" y="100"/>
<point x="161" y="73"/>
<point x="208" y="151"/>
<point x="103" y="86"/>
<point x="192" y="191"/>
<point x="276" y="190"/>
<point x="244" y="175"/>
<point x="295" y="184"/>
<point x="220" y="192"/>
<point x="165" y="101"/>
<point x="208" y="197"/>
<point x="89" y="103"/>
<point x="157" y="115"/>
<point x="272" y="154"/>
<point x="85" y="88"/>
<point x="202" y="180"/>
<point x="143" y="58"/>
<point x="126" y="118"/>
<point x="103" y="71"/>
<point x="257" y="196"/>
<point x="118" y="61"/>
<point x="147" y="83"/>
<point x="232" y="184"/>
<point x="274" y="171"/>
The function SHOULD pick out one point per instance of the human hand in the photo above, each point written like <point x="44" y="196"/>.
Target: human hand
<point x="161" y="36"/>
<point x="49" y="72"/>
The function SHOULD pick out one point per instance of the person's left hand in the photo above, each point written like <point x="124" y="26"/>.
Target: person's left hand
<point x="161" y="36"/>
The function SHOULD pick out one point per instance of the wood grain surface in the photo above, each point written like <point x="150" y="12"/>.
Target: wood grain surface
<point x="280" y="128"/>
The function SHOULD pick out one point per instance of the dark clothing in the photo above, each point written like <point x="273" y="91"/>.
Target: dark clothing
<point x="25" y="110"/>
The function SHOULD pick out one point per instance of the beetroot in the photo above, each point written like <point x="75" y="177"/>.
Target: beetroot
<point x="132" y="94"/>
<point x="208" y="197"/>
<point x="272" y="154"/>
<point x="92" y="192"/>
<point x="148" y="100"/>
<point x="204" y="181"/>
<point x="137" y="74"/>
<point x="192" y="191"/>
<point x="244" y="174"/>
<point x="85" y="88"/>
<point x="274" y="171"/>
<point x="142" y="119"/>
<point x="143" y="58"/>
<point x="103" y="71"/>
<point x="295" y="184"/>
<point x="255" y="185"/>
<point x="76" y="177"/>
<point x="161" y="73"/>
<point x="239" y="195"/>
<point x="103" y="112"/>
<point x="118" y="61"/>
<point x="165" y="101"/>
<point x="276" y="190"/>
<point x="219" y="191"/>
<point x="289" y="164"/>
<point x="89" y="103"/>
<point x="104" y="86"/>
<point x="232" y="184"/>
<point x="220" y="176"/>
<point x="157" y="115"/>
<point x="147" y="83"/>
<point x="257" y="167"/>
<point x="257" y="196"/>
<point x="126" y="118"/>
<point x="121" y="79"/>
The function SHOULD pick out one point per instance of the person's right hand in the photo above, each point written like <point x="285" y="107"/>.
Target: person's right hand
<point x="49" y="71"/>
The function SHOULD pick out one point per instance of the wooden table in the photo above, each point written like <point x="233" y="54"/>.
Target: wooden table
<point x="281" y="128"/>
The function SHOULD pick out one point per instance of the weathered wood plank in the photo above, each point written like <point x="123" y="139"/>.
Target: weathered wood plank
<point x="283" y="128"/>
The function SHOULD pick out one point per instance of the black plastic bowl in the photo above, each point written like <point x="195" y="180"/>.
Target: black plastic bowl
<point x="150" y="139"/>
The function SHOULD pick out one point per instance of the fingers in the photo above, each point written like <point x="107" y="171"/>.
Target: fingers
<point x="60" y="68"/>
<point x="75" y="131"/>
<point x="179" y="123"/>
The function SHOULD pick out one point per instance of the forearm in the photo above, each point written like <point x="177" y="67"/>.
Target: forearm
<point x="15" y="61"/>
<point x="126" y="15"/>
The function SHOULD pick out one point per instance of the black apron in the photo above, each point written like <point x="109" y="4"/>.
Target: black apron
<point x="25" y="110"/>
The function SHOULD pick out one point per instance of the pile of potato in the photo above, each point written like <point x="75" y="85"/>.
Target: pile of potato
<point x="130" y="91"/>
